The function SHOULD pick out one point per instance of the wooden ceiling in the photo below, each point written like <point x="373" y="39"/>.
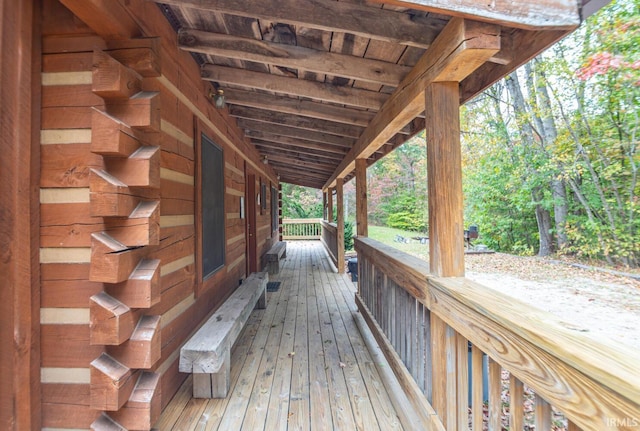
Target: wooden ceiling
<point x="305" y="79"/>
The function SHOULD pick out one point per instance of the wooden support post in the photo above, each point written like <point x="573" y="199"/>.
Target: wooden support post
<point x="444" y="173"/>
<point x="324" y="204"/>
<point x="330" y="204"/>
<point x="340" y="223"/>
<point x="20" y="55"/>
<point x="362" y="224"/>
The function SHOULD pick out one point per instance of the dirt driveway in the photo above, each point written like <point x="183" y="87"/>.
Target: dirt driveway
<point x="603" y="304"/>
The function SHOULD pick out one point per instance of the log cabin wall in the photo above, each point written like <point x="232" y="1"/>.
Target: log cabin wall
<point x="118" y="254"/>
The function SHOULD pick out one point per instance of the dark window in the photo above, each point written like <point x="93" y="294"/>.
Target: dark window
<point x="212" y="204"/>
<point x="263" y="192"/>
<point x="274" y="208"/>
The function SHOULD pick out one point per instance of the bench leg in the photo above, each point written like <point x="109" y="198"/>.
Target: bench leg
<point x="274" y="267"/>
<point x="215" y="385"/>
<point x="262" y="301"/>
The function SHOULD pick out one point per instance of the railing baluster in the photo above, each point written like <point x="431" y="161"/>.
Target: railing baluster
<point x="462" y="404"/>
<point x="543" y="415"/>
<point x="477" y="387"/>
<point x="495" y="399"/>
<point x="428" y="360"/>
<point x="573" y="427"/>
<point x="420" y="351"/>
<point x="516" y="410"/>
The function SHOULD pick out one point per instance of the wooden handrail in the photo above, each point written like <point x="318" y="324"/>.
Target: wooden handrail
<point x="594" y="382"/>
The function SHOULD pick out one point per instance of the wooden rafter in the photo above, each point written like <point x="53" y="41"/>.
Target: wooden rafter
<point x="300" y="143"/>
<point x="297" y="57"/>
<point x="298" y="107"/>
<point x="295" y="87"/>
<point x="296" y="121"/>
<point x="294" y="132"/>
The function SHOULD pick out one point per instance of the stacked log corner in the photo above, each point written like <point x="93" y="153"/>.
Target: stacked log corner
<point x="125" y="194"/>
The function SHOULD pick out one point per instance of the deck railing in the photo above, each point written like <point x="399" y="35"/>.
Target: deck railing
<point x="301" y="228"/>
<point x="430" y="324"/>
<point x="330" y="240"/>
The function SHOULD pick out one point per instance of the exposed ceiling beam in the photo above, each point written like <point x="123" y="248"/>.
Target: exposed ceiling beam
<point x="293" y="132"/>
<point x="544" y="14"/>
<point x="328" y="15"/>
<point x="460" y="48"/>
<point x="295" y="87"/>
<point x="298" y="107"/>
<point x="284" y="140"/>
<point x="297" y="57"/>
<point x="304" y="173"/>
<point x="296" y="121"/>
<point x="329" y="157"/>
<point x="286" y="166"/>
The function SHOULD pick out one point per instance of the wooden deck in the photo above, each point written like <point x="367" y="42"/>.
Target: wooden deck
<point x="301" y="364"/>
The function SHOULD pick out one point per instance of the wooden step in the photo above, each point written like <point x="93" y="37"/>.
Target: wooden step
<point x="141" y="111"/>
<point x="111" y="321"/>
<point x="143" y="408"/>
<point x="112" y="79"/>
<point x="112" y="261"/>
<point x="142" y="350"/>
<point x="142" y="227"/>
<point x="141" y="55"/>
<point x="110" y="197"/>
<point x="110" y="136"/>
<point x="105" y="423"/>
<point x="111" y="383"/>
<point x="142" y="289"/>
<point x="140" y="169"/>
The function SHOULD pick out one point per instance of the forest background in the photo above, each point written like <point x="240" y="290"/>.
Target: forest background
<point x="550" y="154"/>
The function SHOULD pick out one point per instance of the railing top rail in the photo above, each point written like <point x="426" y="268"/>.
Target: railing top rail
<point x="329" y="225"/>
<point x="507" y="328"/>
<point x="301" y="220"/>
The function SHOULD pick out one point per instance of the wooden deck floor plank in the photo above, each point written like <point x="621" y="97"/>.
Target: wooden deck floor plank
<point x="319" y="396"/>
<point x="278" y="409"/>
<point x="369" y="383"/>
<point x="286" y="371"/>
<point x="336" y="364"/>
<point x="256" y="414"/>
<point x="176" y="407"/>
<point x="299" y="402"/>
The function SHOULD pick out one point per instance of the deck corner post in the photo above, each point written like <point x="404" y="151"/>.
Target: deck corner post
<point x="444" y="176"/>
<point x="362" y="227"/>
<point x="330" y="205"/>
<point x="340" y="223"/>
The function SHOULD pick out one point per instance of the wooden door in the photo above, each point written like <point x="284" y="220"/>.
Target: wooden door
<point x="251" y="231"/>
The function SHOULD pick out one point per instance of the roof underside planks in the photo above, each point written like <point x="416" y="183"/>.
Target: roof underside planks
<point x="317" y="84"/>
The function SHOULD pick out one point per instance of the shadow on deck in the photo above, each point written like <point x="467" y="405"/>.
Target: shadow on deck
<point x="300" y="364"/>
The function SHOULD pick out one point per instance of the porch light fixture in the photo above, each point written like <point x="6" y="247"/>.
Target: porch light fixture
<point x="264" y="160"/>
<point x="217" y="95"/>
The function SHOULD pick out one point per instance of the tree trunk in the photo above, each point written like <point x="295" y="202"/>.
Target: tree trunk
<point x="543" y="216"/>
<point x="550" y="135"/>
<point x="544" y="224"/>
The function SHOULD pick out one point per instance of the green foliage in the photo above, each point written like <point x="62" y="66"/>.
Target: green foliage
<point x="592" y="80"/>
<point x="301" y="202"/>
<point x="407" y="220"/>
<point x="348" y="235"/>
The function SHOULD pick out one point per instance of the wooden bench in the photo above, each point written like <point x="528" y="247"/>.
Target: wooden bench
<point x="207" y="354"/>
<point x="273" y="256"/>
